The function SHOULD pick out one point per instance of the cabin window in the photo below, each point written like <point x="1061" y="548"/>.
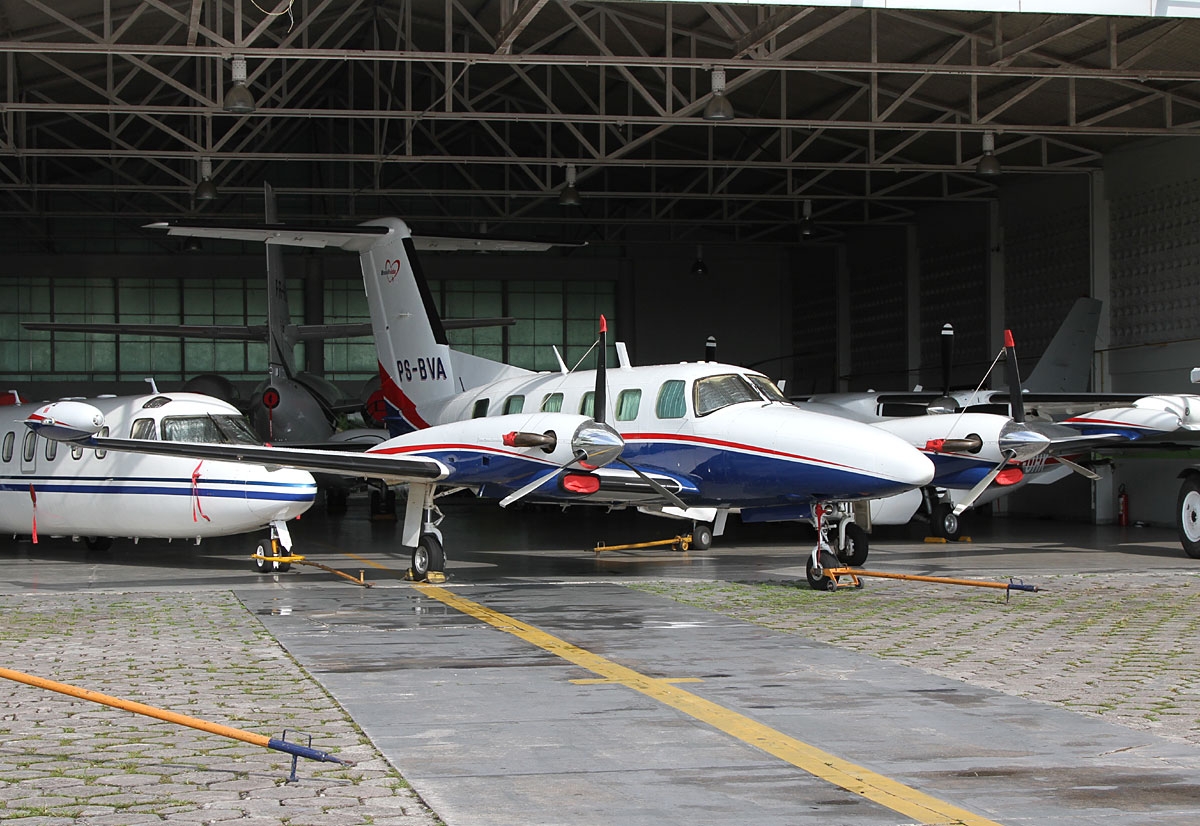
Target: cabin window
<point x="587" y="405"/>
<point x="143" y="429"/>
<point x="480" y="409"/>
<point x="711" y="393"/>
<point x="768" y="388"/>
<point x="552" y="403"/>
<point x="514" y="404"/>
<point x="671" y="403"/>
<point x="29" y="448"/>
<point x="76" y="452"/>
<point x="9" y="440"/>
<point x="210" y="429"/>
<point x="628" y="402"/>
<point x="103" y="434"/>
<point x="51" y="450"/>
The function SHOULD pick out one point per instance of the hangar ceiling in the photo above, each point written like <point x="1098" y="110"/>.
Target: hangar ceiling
<point x="464" y="115"/>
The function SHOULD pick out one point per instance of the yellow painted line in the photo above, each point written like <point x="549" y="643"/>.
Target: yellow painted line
<point x="365" y="561"/>
<point x="603" y="681"/>
<point x="861" y="781"/>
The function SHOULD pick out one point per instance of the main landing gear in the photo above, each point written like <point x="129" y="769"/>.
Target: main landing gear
<point x="835" y="519"/>
<point x="420" y="532"/>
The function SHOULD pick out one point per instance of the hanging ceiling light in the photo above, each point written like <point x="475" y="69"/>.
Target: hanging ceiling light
<point x="989" y="164"/>
<point x="698" y="266"/>
<point x="206" y="190"/>
<point x="238" y="99"/>
<point x="806" y="221"/>
<point x="570" y="195"/>
<point x="718" y="106"/>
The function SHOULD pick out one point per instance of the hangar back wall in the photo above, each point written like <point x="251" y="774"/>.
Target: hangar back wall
<point x="864" y="311"/>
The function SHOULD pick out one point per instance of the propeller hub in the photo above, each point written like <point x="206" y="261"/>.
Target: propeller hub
<point x="1021" y="441"/>
<point x="595" y="444"/>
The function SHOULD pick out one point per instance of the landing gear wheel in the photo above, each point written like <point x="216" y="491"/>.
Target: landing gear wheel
<point x="263" y="566"/>
<point x="822" y="582"/>
<point x="427" y="556"/>
<point x="702" y="537"/>
<point x="268" y="566"/>
<point x="945" y="522"/>
<point x="855" y="551"/>
<point x="98" y="543"/>
<point x="1188" y="513"/>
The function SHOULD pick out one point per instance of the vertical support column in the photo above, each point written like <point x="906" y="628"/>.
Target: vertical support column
<point x="842" y="364"/>
<point x="314" y="312"/>
<point x="1104" y="490"/>
<point x="1101" y="269"/>
<point x="994" y="279"/>
<point x="912" y="280"/>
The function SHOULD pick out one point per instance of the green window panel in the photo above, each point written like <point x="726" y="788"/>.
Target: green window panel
<point x="230" y="357"/>
<point x="672" y="402"/>
<point x="628" y="402"/>
<point x="199" y="357"/>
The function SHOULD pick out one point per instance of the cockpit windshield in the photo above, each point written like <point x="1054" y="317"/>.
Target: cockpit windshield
<point x="711" y="393"/>
<point x="209" y="429"/>
<point x="768" y="388"/>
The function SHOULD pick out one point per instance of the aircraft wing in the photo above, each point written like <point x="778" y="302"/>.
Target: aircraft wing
<point x="390" y="467"/>
<point x="229" y="332"/>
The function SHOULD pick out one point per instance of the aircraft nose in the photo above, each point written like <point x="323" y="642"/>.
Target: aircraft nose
<point x="909" y="467"/>
<point x="282" y="493"/>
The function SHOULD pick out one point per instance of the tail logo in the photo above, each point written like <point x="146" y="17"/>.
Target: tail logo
<point x="391" y="269"/>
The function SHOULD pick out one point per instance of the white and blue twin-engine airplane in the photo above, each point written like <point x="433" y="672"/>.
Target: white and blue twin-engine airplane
<point x="67" y="490"/>
<point x="693" y="441"/>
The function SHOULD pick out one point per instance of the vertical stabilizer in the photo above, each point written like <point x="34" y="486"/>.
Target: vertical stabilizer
<point x="416" y="365"/>
<point x="1066" y="366"/>
<point x="281" y="347"/>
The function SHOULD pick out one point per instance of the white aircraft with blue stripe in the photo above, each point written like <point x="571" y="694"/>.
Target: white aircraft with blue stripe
<point x="53" y="489"/>
<point x="692" y="441"/>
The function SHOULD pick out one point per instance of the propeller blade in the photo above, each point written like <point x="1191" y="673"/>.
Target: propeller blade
<point x="947" y="356"/>
<point x="532" y="486"/>
<point x="599" y="402"/>
<point x="975" y="492"/>
<point x="1013" y="376"/>
<point x="658" y="488"/>
<point x="1080" y="469"/>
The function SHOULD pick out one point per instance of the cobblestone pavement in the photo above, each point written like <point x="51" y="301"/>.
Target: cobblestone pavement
<point x="68" y="761"/>
<point x="1125" y="647"/>
<point x="1120" y="646"/>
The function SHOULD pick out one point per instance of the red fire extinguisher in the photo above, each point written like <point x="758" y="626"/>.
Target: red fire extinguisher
<point x="1122" y="507"/>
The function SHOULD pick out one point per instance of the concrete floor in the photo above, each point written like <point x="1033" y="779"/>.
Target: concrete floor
<point x="535" y="688"/>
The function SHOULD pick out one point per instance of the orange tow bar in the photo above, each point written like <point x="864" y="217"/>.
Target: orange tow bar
<point x="853" y="574"/>
<point x="278" y="744"/>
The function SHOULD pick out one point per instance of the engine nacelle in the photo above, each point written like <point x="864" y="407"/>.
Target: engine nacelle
<point x="1186" y="407"/>
<point x="66" y="421"/>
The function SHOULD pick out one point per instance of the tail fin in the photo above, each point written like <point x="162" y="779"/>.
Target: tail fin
<point x="280" y="346"/>
<point x="416" y="365"/>
<point x="1066" y="366"/>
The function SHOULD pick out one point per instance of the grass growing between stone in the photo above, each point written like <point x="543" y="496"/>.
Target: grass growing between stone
<point x="70" y="761"/>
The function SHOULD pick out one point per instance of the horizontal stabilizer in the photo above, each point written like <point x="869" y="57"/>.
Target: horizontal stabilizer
<point x="355" y="239"/>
